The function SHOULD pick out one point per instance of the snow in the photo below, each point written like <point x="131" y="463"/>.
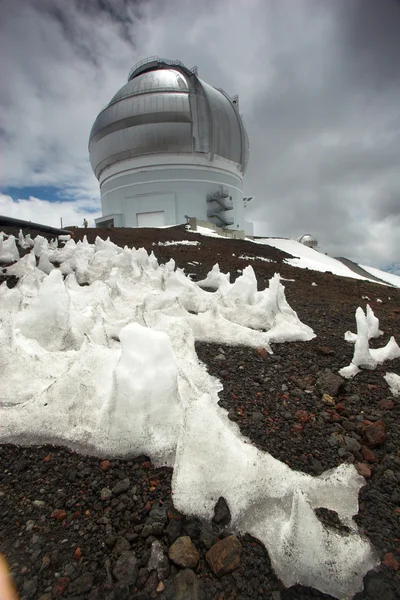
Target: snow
<point x="307" y="258"/>
<point x="110" y="368"/>
<point x="388" y="277"/>
<point x="206" y="231"/>
<point x="262" y="258"/>
<point x="365" y="357"/>
<point x="178" y="243"/>
<point x="214" y="278"/>
<point x="8" y="249"/>
<point x="393" y="381"/>
<point x="373" y="330"/>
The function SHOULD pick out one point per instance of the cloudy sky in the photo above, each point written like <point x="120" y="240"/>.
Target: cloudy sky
<point x="319" y="87"/>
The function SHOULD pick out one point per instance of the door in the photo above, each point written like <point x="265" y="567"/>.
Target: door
<point x="151" y="219"/>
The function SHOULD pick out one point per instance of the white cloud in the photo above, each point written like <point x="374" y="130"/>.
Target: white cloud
<point x="49" y="213"/>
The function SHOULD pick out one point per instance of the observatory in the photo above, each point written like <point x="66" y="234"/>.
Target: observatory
<point x="308" y="240"/>
<point x="170" y="146"/>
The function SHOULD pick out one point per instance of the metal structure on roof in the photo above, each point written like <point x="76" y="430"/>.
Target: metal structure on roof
<point x="308" y="240"/>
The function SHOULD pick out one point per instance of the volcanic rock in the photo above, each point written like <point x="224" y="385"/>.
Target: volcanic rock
<point x="224" y="556"/>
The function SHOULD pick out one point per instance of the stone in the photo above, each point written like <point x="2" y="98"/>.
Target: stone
<point x="368" y="455"/>
<point x="126" y="568"/>
<point x="105" y="465"/>
<point x="390" y="561"/>
<point x="224" y="556"/>
<point x="330" y="383"/>
<point x="325" y="350"/>
<point x="222" y="514"/>
<point x="220" y="357"/>
<point x="374" y="434"/>
<point x="58" y="514"/>
<point x="351" y="444"/>
<point x="72" y="475"/>
<point x="155" y="522"/>
<point x="187" y="586"/>
<point x="257" y="416"/>
<point x="160" y="587"/>
<point x="158" y="561"/>
<point x="364" y="470"/>
<point x="82" y="585"/>
<point x="106" y="494"/>
<point x="327" y="399"/>
<point x="39" y="504"/>
<point x="121" y="487"/>
<point x="184" y="553"/>
<point x="121" y="545"/>
<point x="386" y="404"/>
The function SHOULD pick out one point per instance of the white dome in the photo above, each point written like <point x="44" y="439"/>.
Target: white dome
<point x="166" y="108"/>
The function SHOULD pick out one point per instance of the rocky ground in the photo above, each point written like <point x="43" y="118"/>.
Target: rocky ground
<point x="82" y="527"/>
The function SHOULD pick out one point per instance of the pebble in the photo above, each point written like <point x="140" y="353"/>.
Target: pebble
<point x="184" y="553"/>
<point x="126" y="568"/>
<point x="106" y="494"/>
<point x="224" y="556"/>
<point x="222" y="514"/>
<point x="121" y="487"/>
<point x="364" y="470"/>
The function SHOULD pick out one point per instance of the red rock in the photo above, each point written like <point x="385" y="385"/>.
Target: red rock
<point x="336" y="416"/>
<point x="146" y="464"/>
<point x="59" y="514"/>
<point x="325" y="350"/>
<point x="389" y="560"/>
<point x="78" y="554"/>
<point x="184" y="553"/>
<point x="59" y="587"/>
<point x="364" y="470"/>
<point x="262" y="352"/>
<point x="224" y="556"/>
<point x="372" y="387"/>
<point x="47" y="458"/>
<point x="302" y="416"/>
<point x="105" y="465"/>
<point x="340" y="407"/>
<point x="368" y="455"/>
<point x="386" y="404"/>
<point x="297" y="428"/>
<point x="375" y="434"/>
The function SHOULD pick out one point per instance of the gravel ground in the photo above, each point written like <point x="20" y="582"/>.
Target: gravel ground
<point x="80" y="527"/>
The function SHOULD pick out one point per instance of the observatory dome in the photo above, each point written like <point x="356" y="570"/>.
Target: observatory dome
<point x="308" y="240"/>
<point x="180" y="131"/>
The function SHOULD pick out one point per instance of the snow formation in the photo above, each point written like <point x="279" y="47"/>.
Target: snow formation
<point x="393" y="382"/>
<point x="110" y="367"/>
<point x="365" y="357"/>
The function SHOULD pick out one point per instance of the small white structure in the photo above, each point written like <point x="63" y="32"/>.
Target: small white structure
<point x="169" y="146"/>
<point x="308" y="240"/>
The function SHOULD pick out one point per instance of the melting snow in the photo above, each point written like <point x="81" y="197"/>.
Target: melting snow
<point x="393" y="382"/>
<point x="365" y="357"/>
<point x="178" y="243"/>
<point x="111" y="368"/>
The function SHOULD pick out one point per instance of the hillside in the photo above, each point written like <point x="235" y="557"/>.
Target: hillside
<point x="69" y="521"/>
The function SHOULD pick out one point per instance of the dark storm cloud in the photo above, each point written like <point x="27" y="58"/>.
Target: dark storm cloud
<point x="319" y="87"/>
<point x="371" y="41"/>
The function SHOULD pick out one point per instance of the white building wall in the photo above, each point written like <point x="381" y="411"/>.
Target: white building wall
<point x="178" y="191"/>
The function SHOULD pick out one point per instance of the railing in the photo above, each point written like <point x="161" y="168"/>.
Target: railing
<point x="166" y="61"/>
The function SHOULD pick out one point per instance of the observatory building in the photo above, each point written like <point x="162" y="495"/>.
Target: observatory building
<point x="308" y="240"/>
<point x="170" y="146"/>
